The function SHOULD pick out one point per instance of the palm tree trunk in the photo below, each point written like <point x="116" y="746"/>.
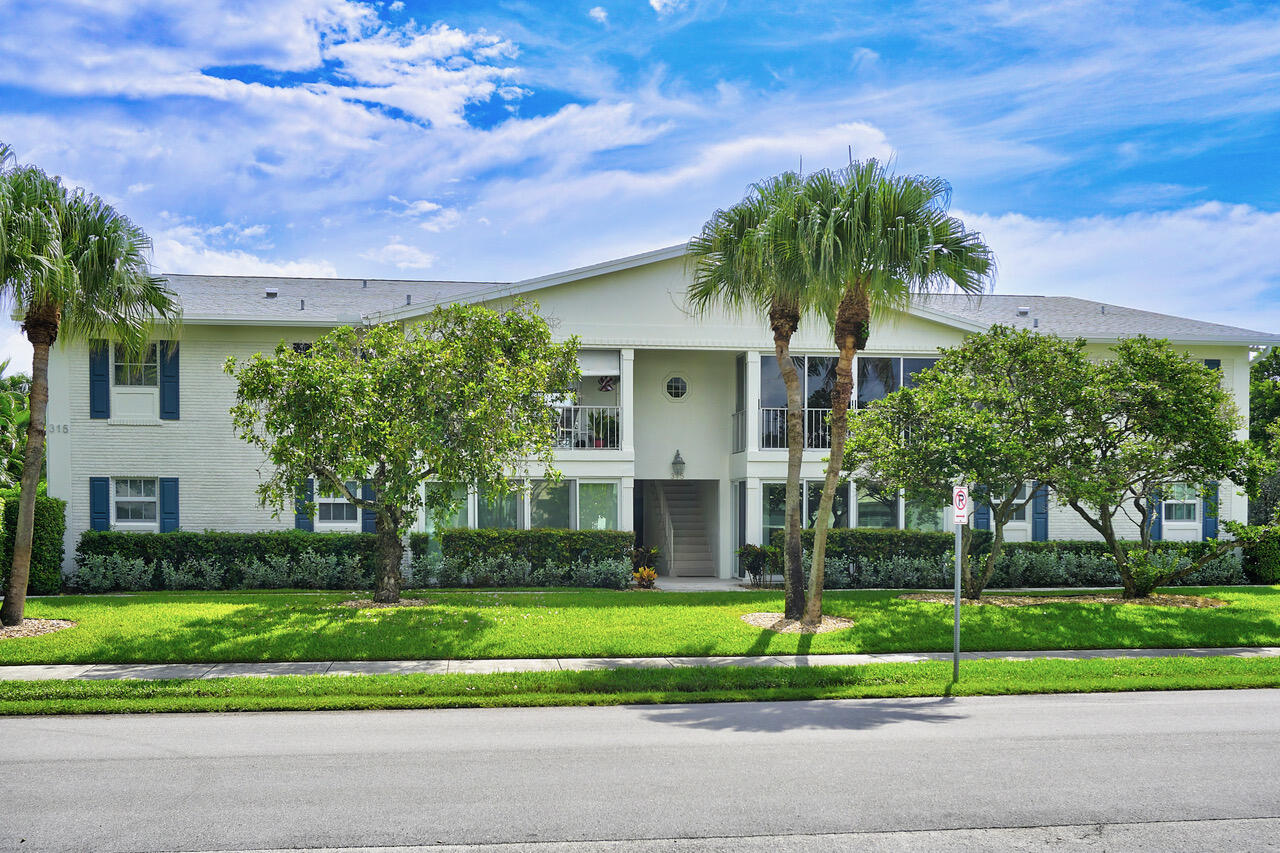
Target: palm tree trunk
<point x="784" y="325"/>
<point x="42" y="333"/>
<point x="851" y="326"/>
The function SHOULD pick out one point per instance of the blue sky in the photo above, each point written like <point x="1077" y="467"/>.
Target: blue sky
<point x="1111" y="150"/>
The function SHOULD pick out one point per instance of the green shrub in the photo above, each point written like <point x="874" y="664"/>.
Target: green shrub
<point x="46" y="542"/>
<point x="433" y="570"/>
<point x="759" y="561"/>
<point x="333" y="555"/>
<point x="867" y="543"/>
<point x="540" y="546"/>
<point x="1262" y="561"/>
<point x="111" y="572"/>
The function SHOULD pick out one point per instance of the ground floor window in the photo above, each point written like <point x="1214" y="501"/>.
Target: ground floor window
<point x="597" y="506"/>
<point x="566" y="504"/>
<point x="1179" y="503"/>
<point x="334" y="511"/>
<point x="135" y="506"/>
<point x="924" y="516"/>
<point x="877" y="507"/>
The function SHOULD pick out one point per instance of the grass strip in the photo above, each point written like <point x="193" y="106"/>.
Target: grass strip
<point x="634" y="686"/>
<point x="236" y="626"/>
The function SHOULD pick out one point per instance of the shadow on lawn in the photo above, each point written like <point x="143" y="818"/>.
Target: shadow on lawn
<point x="823" y="714"/>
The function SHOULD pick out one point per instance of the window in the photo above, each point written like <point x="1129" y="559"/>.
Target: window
<point x="1180" y="502"/>
<point x="912" y="366"/>
<point x="139" y="370"/>
<point x="549" y="504"/>
<point x="1020" y="514"/>
<point x="302" y="347"/>
<point x="877" y="378"/>
<point x="498" y="512"/>
<point x="597" y="506"/>
<point x="877" y="507"/>
<point x="819" y="382"/>
<point x="334" y="510"/>
<point x="135" y="503"/>
<point x="677" y="388"/>
<point x="922" y="516"/>
<point x="839" y="504"/>
<point x="773" y="498"/>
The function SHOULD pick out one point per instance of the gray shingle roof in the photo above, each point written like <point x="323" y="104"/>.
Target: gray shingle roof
<point x="1071" y="317"/>
<point x="322" y="301"/>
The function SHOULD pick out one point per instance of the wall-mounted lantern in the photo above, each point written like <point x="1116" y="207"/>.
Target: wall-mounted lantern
<point x="677" y="467"/>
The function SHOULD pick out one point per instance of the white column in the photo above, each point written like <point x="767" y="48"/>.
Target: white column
<point x="755" y="515"/>
<point x="626" y="504"/>
<point x="626" y="398"/>
<point x="724" y="489"/>
<point x="753" y="407"/>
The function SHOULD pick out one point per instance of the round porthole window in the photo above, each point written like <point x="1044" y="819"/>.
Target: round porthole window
<point x="677" y="387"/>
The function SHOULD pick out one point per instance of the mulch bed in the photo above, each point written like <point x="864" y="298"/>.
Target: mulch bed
<point x="1158" y="600"/>
<point x="35" y="627"/>
<point x="777" y="623"/>
<point x="369" y="603"/>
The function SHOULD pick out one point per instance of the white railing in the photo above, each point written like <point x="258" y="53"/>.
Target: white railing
<point x="583" y="427"/>
<point x="817" y="429"/>
<point x="739" y="427"/>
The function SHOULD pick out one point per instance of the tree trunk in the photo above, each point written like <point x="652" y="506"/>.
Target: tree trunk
<point x="974" y="585"/>
<point x="42" y="332"/>
<point x="851" y="331"/>
<point x="390" y="554"/>
<point x="784" y="324"/>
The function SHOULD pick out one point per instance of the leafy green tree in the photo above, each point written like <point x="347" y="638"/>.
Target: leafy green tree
<point x="14" y="417"/>
<point x="1150" y="417"/>
<point x="744" y="260"/>
<point x="870" y="240"/>
<point x="71" y="265"/>
<point x="988" y="415"/>
<point x="1264" y="414"/>
<point x="464" y="396"/>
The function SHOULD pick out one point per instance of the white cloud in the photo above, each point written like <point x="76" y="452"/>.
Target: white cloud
<point x="1211" y="261"/>
<point x="599" y="14"/>
<point x="666" y="7"/>
<point x="15" y="347"/>
<point x="397" y="6"/>
<point x="186" y="248"/>
<point x="400" y="255"/>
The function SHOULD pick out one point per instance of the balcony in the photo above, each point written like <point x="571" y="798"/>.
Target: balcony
<point x="773" y="429"/>
<point x="590" y="427"/>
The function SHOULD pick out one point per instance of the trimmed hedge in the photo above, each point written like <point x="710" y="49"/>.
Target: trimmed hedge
<point x="868" y="543"/>
<point x="46" y="542"/>
<point x="232" y="551"/>
<point x="539" y="547"/>
<point x="1262" y="561"/>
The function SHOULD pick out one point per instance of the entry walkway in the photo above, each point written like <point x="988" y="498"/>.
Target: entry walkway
<point x="39" y="672"/>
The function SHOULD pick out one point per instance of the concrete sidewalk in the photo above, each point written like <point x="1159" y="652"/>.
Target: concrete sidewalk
<point x="39" y="672"/>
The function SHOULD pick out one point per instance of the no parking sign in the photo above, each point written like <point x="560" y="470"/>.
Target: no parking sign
<point x="960" y="505"/>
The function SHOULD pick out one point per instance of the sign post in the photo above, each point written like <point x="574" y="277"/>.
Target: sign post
<point x="960" y="517"/>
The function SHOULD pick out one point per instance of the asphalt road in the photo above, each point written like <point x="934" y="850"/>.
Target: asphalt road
<point x="1159" y="771"/>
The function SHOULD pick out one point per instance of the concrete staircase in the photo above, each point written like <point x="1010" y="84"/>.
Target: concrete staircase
<point x="692" y="557"/>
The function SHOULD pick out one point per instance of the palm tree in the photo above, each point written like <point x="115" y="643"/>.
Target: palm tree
<point x="13" y="424"/>
<point x="739" y="265"/>
<point x="73" y="266"/>
<point x="870" y="240"/>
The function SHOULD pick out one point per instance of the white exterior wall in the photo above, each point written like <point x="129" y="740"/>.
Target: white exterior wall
<point x="217" y="472"/>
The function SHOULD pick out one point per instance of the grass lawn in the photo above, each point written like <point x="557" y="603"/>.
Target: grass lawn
<point x="647" y="686"/>
<point x="196" y="627"/>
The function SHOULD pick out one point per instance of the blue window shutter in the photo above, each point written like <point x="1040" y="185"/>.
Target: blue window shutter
<point x="99" y="380"/>
<point x="168" y="504"/>
<point x="1209" y="513"/>
<point x="368" y="518"/>
<point x="168" y="380"/>
<point x="302" y="520"/>
<point x="1157" y="517"/>
<point x="981" y="513"/>
<point x="99" y="503"/>
<point x="1039" y="513"/>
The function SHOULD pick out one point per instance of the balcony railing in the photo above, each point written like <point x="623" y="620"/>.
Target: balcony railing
<point x="583" y="427"/>
<point x="773" y="429"/>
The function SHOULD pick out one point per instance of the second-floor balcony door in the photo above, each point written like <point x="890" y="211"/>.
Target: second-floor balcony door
<point x="817" y="380"/>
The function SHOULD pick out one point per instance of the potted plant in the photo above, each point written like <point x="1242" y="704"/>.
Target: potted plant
<point x="603" y="427"/>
